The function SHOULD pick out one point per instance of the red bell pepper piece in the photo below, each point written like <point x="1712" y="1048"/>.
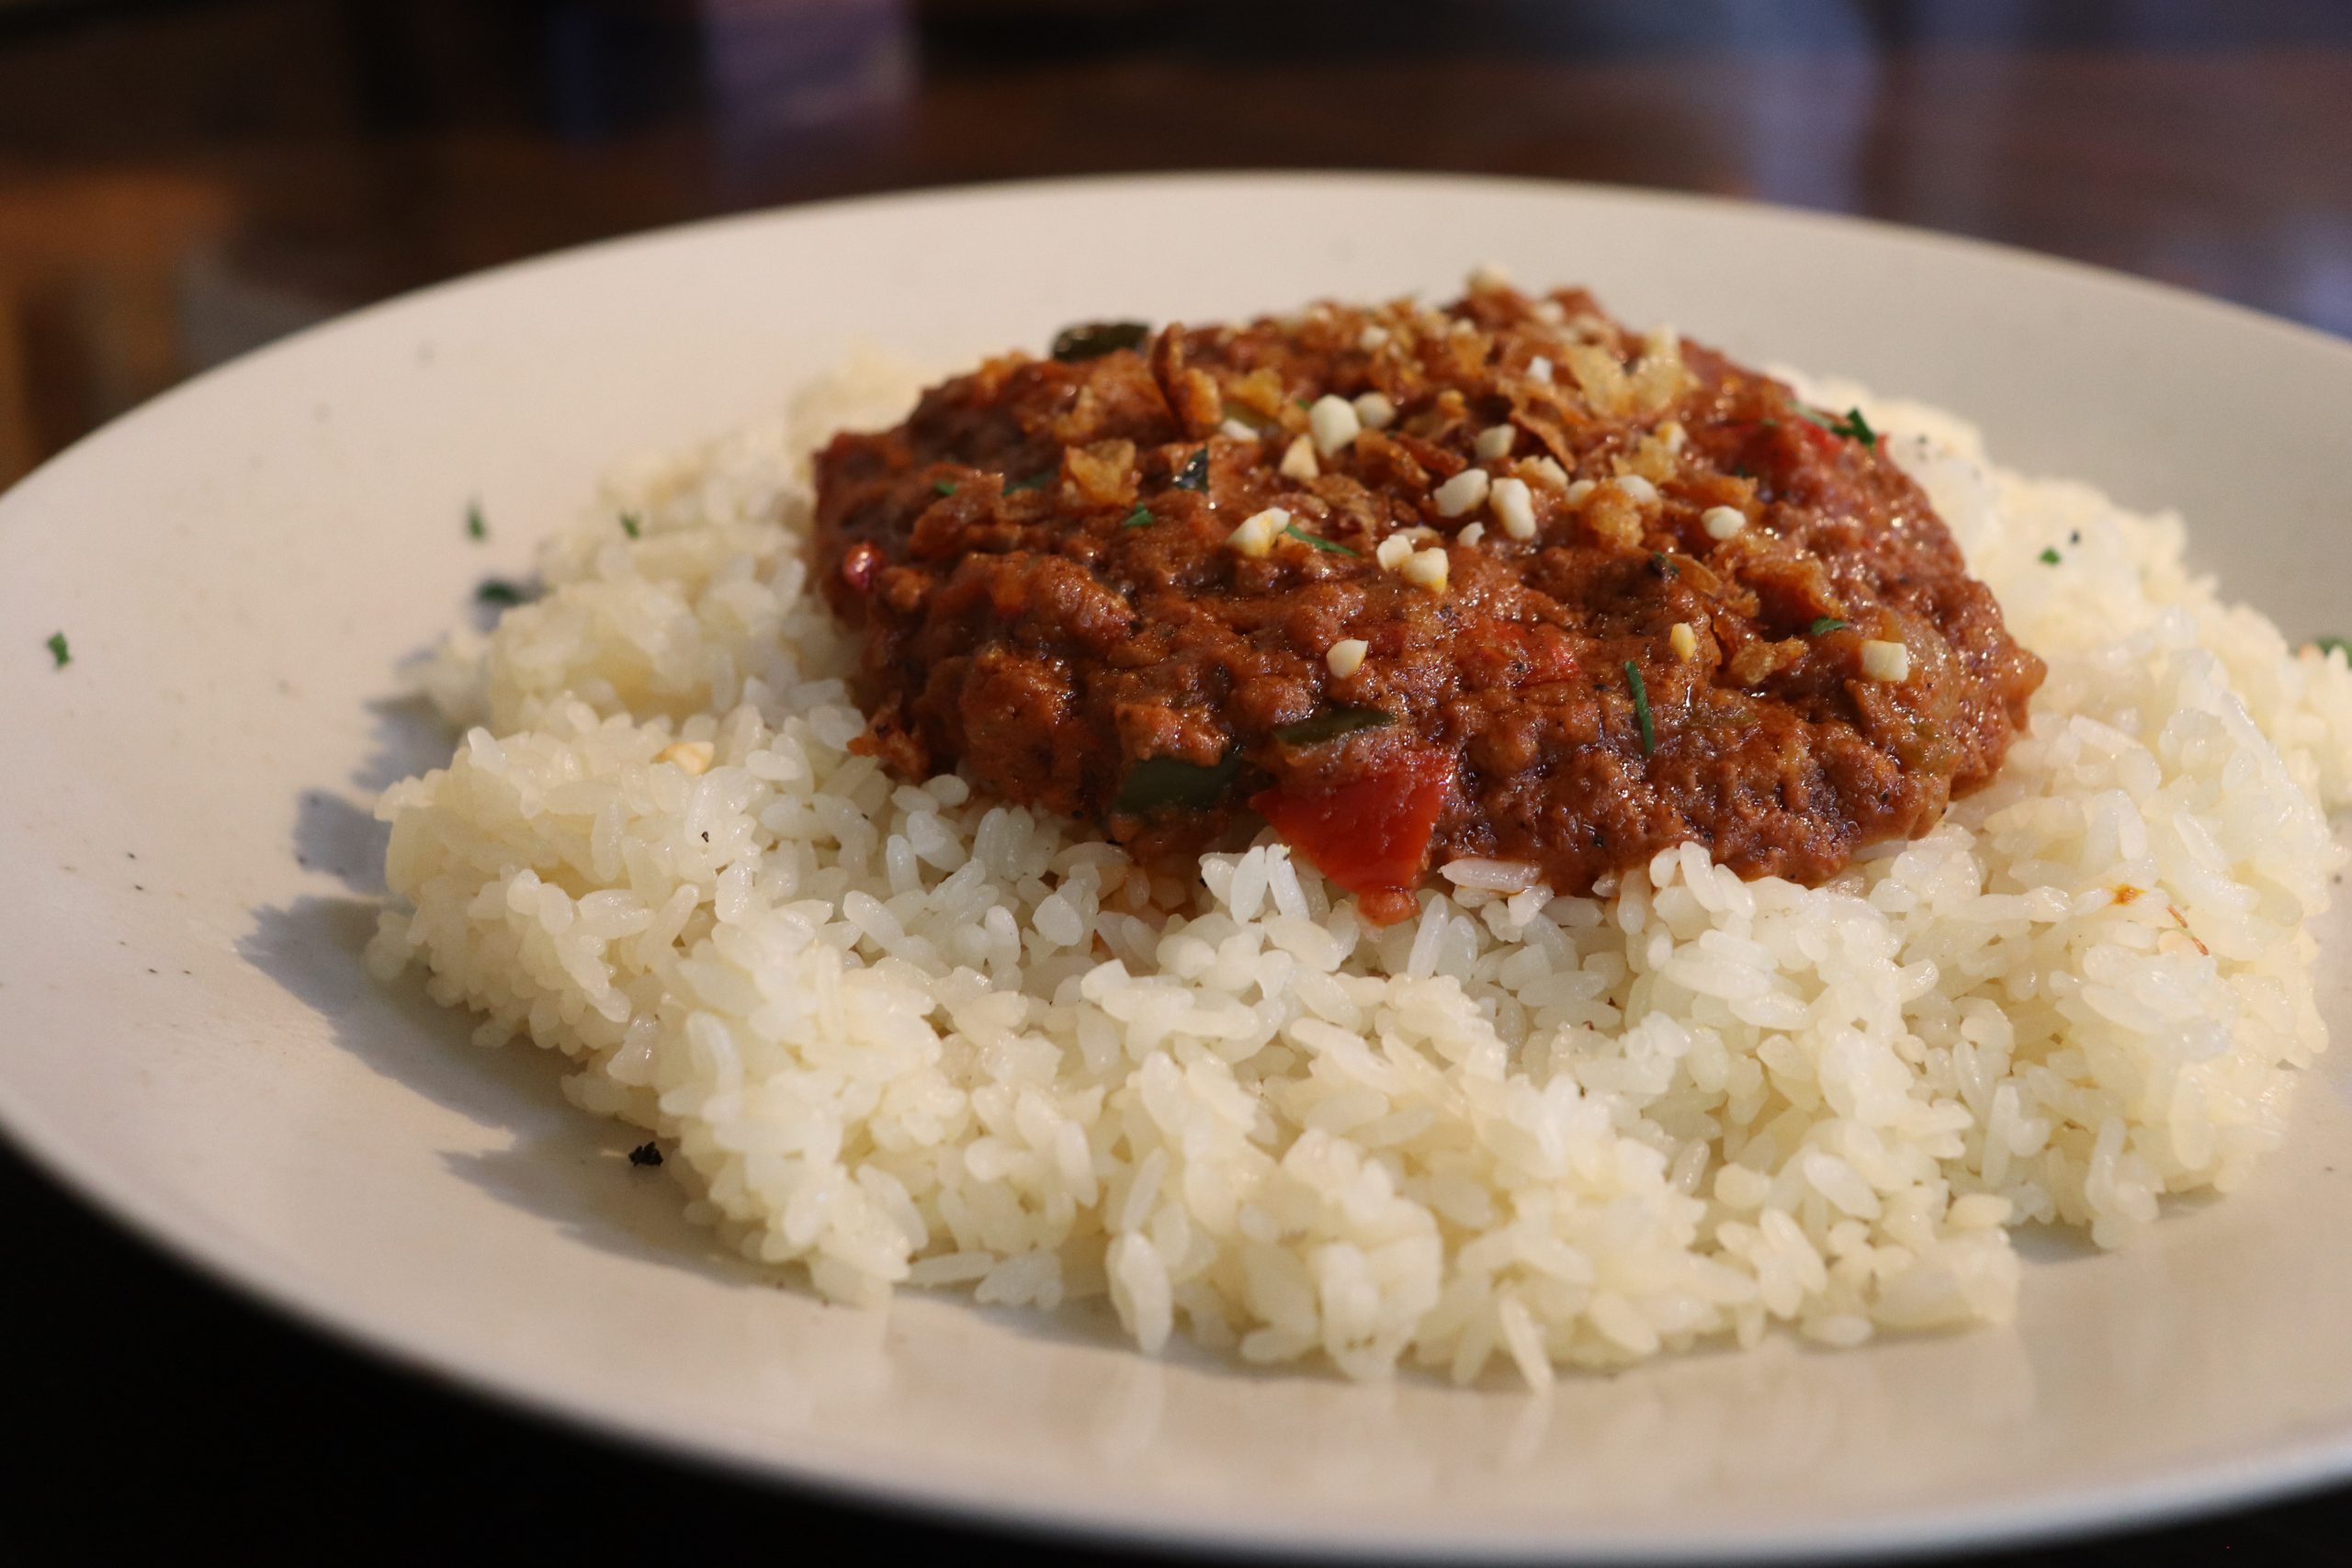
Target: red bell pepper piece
<point x="1370" y="834"/>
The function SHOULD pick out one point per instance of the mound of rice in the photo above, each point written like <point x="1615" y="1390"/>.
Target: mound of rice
<point x="892" y="1034"/>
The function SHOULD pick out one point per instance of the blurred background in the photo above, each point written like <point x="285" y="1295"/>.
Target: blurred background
<point x="183" y="180"/>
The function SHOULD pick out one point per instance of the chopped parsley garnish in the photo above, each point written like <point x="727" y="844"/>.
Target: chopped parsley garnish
<point x="1092" y="340"/>
<point x="630" y="527"/>
<point x="1035" y="481"/>
<point x="1330" y="724"/>
<point x="1850" y="424"/>
<point x="1158" y="782"/>
<point x="1662" y="567"/>
<point x="2326" y="645"/>
<point x="59" y="651"/>
<point x="1641" y="707"/>
<point x="645" y="1153"/>
<point x="948" y="487"/>
<point x="1140" y="517"/>
<point x="1318" y="540"/>
<point x="1828" y="624"/>
<point x="475" y="527"/>
<point x="1194" y="474"/>
<point x="2050" y="556"/>
<point x="498" y="591"/>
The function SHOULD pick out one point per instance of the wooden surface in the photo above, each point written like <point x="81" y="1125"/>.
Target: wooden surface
<point x="179" y="183"/>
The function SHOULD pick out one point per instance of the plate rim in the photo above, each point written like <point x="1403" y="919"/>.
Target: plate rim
<point x="223" y="1259"/>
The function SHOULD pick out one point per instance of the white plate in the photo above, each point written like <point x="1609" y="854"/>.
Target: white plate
<point x="189" y="1039"/>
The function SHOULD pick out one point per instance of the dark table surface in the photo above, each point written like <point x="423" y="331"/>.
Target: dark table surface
<point x="181" y="182"/>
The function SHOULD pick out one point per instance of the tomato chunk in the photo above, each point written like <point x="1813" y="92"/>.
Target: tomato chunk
<point x="1820" y="437"/>
<point x="1371" y="835"/>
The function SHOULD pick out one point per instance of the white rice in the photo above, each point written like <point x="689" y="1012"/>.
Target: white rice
<point x="893" y="1035"/>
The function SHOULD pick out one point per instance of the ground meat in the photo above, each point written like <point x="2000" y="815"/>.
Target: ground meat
<point x="1711" y="615"/>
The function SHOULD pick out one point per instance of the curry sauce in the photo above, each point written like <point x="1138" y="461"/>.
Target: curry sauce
<point x="1503" y="580"/>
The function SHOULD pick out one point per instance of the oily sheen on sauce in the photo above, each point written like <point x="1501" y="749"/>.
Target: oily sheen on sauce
<point x="1608" y="592"/>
